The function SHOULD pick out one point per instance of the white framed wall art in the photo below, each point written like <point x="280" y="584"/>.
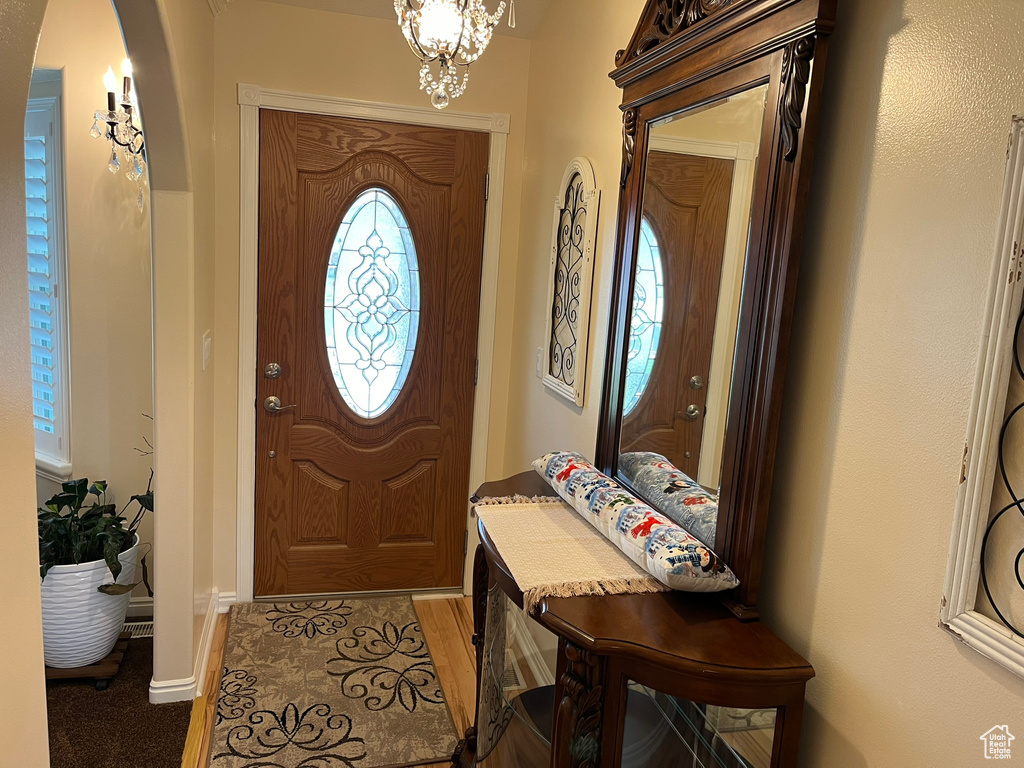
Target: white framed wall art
<point x="566" y="340"/>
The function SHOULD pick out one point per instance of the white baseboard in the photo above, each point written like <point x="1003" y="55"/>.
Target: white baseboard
<point x="530" y="650"/>
<point x="140" y="606"/>
<point x="206" y="642"/>
<point x="169" y="691"/>
<point x="225" y="600"/>
<point x="186" y="689"/>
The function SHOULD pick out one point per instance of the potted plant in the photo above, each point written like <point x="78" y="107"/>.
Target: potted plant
<point x="88" y="554"/>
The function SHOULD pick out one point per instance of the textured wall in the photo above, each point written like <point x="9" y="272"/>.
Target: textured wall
<point x="889" y="319"/>
<point x="902" y="221"/>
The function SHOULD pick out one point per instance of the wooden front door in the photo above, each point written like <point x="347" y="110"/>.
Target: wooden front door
<point x="371" y="238"/>
<point x="686" y="210"/>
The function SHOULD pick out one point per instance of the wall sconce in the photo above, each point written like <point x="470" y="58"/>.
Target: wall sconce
<point x="121" y="130"/>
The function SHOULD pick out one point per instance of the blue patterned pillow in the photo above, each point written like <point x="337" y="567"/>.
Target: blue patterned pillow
<point x="677" y="495"/>
<point x="655" y="543"/>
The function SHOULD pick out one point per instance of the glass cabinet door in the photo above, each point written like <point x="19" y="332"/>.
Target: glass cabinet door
<point x="517" y="697"/>
<point x="663" y="731"/>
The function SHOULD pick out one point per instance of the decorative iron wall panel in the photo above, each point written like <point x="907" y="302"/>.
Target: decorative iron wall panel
<point x="571" y="279"/>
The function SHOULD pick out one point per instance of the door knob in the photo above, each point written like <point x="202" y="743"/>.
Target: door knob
<point x="692" y="412"/>
<point x="273" y="405"/>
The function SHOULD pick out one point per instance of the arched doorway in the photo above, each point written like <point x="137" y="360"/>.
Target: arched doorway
<point x="144" y="23"/>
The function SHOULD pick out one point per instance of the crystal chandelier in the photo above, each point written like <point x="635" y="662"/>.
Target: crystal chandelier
<point x="452" y="33"/>
<point x="125" y="136"/>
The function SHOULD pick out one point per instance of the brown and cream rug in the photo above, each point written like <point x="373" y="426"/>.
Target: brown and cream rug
<point x="329" y="684"/>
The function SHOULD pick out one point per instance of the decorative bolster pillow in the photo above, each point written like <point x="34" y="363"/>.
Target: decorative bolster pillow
<point x="656" y="544"/>
<point x="680" y="498"/>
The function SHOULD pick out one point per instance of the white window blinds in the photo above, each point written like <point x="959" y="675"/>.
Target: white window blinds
<point x="44" y="202"/>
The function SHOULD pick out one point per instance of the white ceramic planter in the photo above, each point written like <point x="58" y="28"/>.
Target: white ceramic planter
<point x="80" y="623"/>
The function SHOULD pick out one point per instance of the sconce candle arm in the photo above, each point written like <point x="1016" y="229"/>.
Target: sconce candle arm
<point x="121" y="130"/>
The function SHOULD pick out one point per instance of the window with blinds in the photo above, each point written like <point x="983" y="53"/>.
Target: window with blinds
<point x="44" y="209"/>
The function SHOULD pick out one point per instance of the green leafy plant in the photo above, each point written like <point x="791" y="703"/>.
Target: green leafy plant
<point x="72" y="531"/>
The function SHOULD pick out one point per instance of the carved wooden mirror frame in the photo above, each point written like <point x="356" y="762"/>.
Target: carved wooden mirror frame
<point x="686" y="54"/>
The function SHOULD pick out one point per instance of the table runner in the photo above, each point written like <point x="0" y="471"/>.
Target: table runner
<point x="552" y="552"/>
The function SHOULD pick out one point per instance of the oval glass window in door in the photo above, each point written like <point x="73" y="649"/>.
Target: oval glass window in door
<point x="372" y="303"/>
<point x="645" y="322"/>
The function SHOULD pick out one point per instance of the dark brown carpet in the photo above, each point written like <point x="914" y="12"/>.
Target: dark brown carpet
<point x="118" y="727"/>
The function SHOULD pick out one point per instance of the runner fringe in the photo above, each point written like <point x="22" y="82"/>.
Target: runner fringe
<point x="518" y="498"/>
<point x="638" y="586"/>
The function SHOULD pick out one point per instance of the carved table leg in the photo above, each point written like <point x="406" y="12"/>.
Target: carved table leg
<point x="580" y="696"/>
<point x="465" y="752"/>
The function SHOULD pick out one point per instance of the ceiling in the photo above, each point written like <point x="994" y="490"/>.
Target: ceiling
<point x="529" y="13"/>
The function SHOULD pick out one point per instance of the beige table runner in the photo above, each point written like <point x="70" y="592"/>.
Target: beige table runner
<point x="552" y="552"/>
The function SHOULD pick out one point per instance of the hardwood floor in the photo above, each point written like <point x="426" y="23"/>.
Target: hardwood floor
<point x="197" y="745"/>
<point x="448" y="628"/>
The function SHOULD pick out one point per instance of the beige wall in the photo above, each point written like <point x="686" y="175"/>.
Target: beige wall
<point x="573" y="111"/>
<point x="569" y="115"/>
<point x="329" y="54"/>
<point x="192" y="27"/>
<point x="170" y="42"/>
<point x="22" y="699"/>
<point x="886" y="334"/>
<point x="108" y="248"/>
<point x="890" y="308"/>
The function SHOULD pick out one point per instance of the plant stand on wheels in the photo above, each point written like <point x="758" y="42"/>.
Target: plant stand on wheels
<point x="103" y="671"/>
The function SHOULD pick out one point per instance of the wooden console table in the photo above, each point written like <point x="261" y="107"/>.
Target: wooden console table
<point x="623" y="661"/>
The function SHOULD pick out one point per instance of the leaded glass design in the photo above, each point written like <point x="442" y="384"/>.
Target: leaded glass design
<point x="569" y="261"/>
<point x="645" y="322"/>
<point x="372" y="303"/>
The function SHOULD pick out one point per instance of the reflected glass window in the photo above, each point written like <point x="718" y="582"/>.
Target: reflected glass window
<point x="645" y="322"/>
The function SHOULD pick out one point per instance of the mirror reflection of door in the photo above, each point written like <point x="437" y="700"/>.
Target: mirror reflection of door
<point x="675" y="303"/>
<point x="689" y="273"/>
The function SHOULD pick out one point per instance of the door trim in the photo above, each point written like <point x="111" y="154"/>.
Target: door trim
<point x="744" y="157"/>
<point x="251" y="98"/>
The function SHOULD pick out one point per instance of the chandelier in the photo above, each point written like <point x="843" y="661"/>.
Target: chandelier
<point x="452" y="34"/>
<point x="117" y="123"/>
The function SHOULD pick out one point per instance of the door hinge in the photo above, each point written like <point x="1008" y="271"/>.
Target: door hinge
<point x="487" y="188"/>
<point x="465" y="544"/>
<point x="476" y="372"/>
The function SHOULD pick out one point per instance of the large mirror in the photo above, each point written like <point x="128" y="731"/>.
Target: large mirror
<point x="719" y="109"/>
<point x="688" y="272"/>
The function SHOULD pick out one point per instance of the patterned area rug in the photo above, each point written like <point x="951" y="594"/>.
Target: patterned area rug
<point x="329" y="684"/>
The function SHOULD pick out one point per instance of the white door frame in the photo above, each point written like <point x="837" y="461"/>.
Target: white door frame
<point x="744" y="157"/>
<point x="251" y="98"/>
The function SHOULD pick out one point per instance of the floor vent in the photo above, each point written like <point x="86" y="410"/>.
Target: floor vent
<point x="139" y="628"/>
<point x="513" y="677"/>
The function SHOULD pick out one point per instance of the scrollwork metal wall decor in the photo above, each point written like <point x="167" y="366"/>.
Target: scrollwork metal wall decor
<point x="571" y="278"/>
<point x="568" y="263"/>
<point x="978" y="549"/>
<point x="796" y="73"/>
<point x="1016" y="502"/>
